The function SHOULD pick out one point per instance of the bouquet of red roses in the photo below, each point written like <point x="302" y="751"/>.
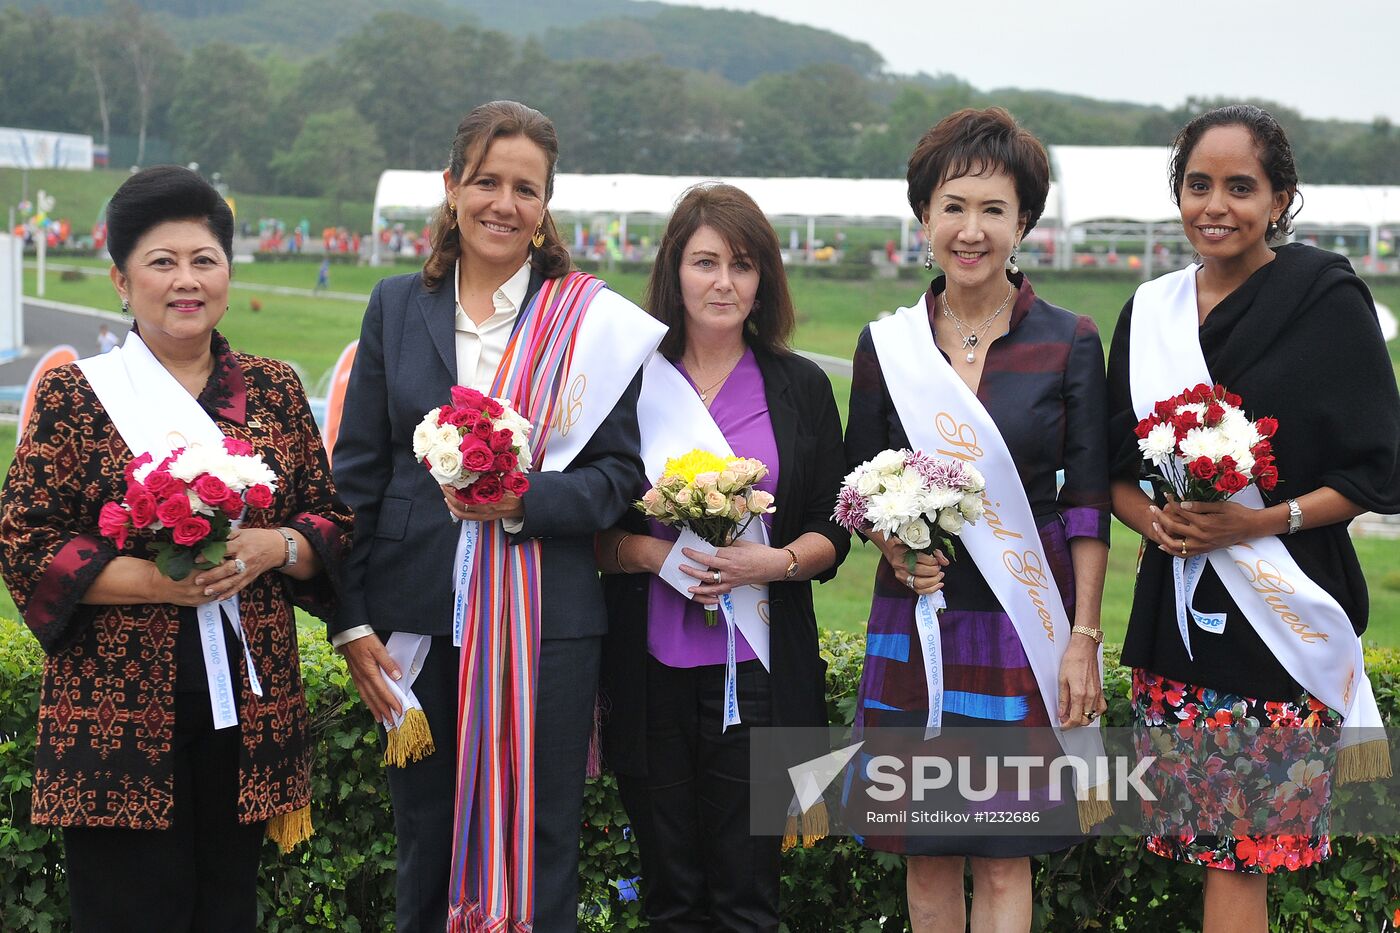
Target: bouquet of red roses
<point x="192" y="497"/>
<point x="1204" y="446"/>
<point x="477" y="445"/>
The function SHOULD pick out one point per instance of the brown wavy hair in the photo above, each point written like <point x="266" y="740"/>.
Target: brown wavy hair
<point x="746" y="231"/>
<point x="475" y="134"/>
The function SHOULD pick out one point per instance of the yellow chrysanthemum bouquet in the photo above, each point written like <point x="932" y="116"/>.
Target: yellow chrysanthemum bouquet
<point x="713" y="496"/>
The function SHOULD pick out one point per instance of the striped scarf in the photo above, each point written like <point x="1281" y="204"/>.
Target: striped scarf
<point x="493" y="845"/>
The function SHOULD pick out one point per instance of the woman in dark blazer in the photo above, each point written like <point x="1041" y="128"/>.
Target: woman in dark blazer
<point x="494" y="248"/>
<point x="718" y="283"/>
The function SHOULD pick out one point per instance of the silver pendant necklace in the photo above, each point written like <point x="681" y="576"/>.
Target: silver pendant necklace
<point x="970" y="341"/>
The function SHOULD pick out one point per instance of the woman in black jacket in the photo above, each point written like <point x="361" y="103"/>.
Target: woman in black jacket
<point x="718" y="283"/>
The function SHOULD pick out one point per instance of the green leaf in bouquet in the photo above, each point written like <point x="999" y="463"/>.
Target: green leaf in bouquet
<point x="212" y="553"/>
<point x="174" y="561"/>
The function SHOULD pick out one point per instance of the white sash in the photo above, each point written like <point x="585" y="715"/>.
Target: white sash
<point x="613" y="340"/>
<point x="673" y="420"/>
<point x="1304" y="627"/>
<point x="155" y="414"/>
<point x="942" y="417"/>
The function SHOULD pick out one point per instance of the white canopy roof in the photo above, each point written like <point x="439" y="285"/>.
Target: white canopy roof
<point x="1093" y="183"/>
<point x="413" y="194"/>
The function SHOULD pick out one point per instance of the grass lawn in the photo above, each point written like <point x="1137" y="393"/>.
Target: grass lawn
<point x="310" y="332"/>
<point x="81" y="196"/>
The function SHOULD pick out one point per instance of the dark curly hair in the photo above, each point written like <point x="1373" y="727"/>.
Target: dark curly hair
<point x="478" y="129"/>
<point x="1275" y="155"/>
<point x="975" y="142"/>
<point x="159" y="194"/>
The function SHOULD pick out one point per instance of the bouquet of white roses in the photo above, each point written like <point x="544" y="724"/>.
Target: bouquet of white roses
<point x="921" y="500"/>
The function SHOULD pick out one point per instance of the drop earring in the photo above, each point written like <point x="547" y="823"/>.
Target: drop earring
<point x="1014" y="268"/>
<point x="928" y="254"/>
<point x="126" y="306"/>
<point x="537" y="240"/>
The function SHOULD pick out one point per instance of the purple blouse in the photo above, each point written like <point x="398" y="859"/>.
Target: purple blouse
<point x="676" y="632"/>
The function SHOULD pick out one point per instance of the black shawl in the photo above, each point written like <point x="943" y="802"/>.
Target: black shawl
<point x="1299" y="341"/>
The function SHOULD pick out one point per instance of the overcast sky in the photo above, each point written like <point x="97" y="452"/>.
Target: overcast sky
<point x="1326" y="58"/>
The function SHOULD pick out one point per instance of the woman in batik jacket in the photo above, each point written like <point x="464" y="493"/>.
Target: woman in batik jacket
<point x="163" y="814"/>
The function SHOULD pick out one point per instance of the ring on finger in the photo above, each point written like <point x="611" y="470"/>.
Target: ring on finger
<point x="239" y="566"/>
<point x="716" y="577"/>
<point x="1090" y="715"/>
<point x="1183" y="547"/>
<point x="909" y="581"/>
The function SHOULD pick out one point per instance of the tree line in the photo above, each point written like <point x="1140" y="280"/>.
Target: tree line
<point x="391" y="93"/>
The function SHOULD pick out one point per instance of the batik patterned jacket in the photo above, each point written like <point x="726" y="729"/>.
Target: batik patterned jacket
<point x="106" y="711"/>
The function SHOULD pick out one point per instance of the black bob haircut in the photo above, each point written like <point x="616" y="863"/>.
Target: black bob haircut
<point x="159" y="194"/>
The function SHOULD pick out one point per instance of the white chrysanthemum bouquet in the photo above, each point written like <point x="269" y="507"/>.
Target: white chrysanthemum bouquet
<point x="921" y="500"/>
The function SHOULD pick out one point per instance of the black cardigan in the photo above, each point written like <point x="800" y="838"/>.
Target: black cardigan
<point x="807" y="430"/>
<point x="1298" y="341"/>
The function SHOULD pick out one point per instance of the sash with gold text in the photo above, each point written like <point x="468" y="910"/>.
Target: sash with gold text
<point x="1301" y="623"/>
<point x="943" y="418"/>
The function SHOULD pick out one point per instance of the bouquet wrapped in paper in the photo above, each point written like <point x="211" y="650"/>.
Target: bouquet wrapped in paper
<point x="477" y="445"/>
<point x="189" y="503"/>
<point x="713" y="496"/>
<point x="923" y="501"/>
<point x="1205" y="448"/>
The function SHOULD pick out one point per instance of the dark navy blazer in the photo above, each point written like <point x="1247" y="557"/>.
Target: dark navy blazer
<point x="398" y="576"/>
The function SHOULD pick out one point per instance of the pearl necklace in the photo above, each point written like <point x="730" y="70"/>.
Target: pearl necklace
<point x="970" y="341"/>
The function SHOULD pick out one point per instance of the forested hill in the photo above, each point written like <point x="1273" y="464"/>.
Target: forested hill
<point x="734" y="45"/>
<point x="673" y="90"/>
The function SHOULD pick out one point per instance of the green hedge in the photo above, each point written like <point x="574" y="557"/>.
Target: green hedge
<point x="344" y="878"/>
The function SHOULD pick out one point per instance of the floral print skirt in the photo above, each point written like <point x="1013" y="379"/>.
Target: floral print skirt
<point x="1241" y="784"/>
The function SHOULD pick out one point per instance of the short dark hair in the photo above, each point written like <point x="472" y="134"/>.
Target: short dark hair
<point x="159" y="194"/>
<point x="475" y="134"/>
<point x="980" y="142"/>
<point x="1275" y="154"/>
<point x="742" y="225"/>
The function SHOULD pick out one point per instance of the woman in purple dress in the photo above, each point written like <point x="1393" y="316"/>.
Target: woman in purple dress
<point x="978" y="183"/>
<point x="718" y="283"/>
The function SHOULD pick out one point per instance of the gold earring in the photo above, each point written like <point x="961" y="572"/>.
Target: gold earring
<point x="538" y="238"/>
<point x="452" y="207"/>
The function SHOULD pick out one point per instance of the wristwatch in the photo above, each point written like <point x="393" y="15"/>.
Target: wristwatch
<point x="1295" y="516"/>
<point x="1095" y="633"/>
<point x="291" y="560"/>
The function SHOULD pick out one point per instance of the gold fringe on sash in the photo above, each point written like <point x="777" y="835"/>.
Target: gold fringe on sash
<point x="411" y="740"/>
<point x="290" y="829"/>
<point x="811" y="827"/>
<point x="1094" y="808"/>
<point x="1365" y="761"/>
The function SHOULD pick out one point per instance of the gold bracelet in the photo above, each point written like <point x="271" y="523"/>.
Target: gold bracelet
<point x="792" y="567"/>
<point x="1095" y="633"/>
<point x="617" y="554"/>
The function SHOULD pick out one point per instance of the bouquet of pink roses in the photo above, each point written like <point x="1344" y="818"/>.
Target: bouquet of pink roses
<point x="190" y="501"/>
<point x="477" y="445"/>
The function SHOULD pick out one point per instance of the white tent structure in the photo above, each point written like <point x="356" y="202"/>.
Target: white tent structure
<point x="403" y="195"/>
<point x="1099" y="192"/>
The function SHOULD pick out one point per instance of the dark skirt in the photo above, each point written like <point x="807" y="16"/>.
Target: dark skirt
<point x="1261" y="769"/>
